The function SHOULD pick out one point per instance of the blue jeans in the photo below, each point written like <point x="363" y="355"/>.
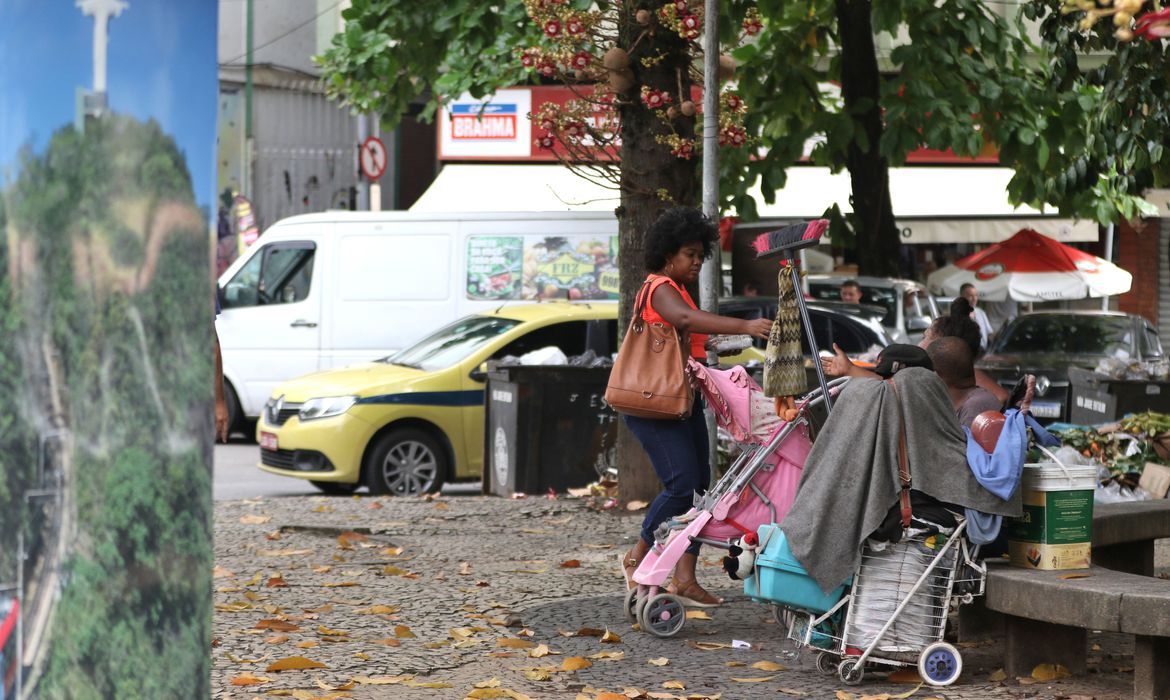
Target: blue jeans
<point x="678" y="451"/>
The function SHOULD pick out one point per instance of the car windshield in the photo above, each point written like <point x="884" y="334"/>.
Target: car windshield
<point x="452" y="344"/>
<point x="1072" y="335"/>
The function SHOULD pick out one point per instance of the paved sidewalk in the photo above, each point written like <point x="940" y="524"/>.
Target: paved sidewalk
<point x="422" y="600"/>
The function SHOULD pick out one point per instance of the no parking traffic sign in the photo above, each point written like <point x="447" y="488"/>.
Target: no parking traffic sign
<point x="373" y="158"/>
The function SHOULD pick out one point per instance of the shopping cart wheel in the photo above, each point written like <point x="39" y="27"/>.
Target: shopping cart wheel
<point x="940" y="664"/>
<point x="631" y="604"/>
<point x="850" y="672"/>
<point x="663" y="615"/>
<point x="826" y="663"/>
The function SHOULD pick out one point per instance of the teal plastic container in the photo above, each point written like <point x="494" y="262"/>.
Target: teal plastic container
<point x="782" y="580"/>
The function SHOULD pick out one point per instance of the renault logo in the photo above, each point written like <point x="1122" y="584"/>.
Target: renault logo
<point x="1042" y="385"/>
<point x="274" y="409"/>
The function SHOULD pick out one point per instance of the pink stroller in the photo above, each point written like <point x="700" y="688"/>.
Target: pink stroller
<point x="757" y="489"/>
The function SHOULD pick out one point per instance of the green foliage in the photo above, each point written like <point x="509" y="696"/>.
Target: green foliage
<point x="960" y="74"/>
<point x="120" y="293"/>
<point x="1096" y="138"/>
<point x="394" y="53"/>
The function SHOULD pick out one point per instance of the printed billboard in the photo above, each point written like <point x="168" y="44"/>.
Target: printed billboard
<point x="106" y="309"/>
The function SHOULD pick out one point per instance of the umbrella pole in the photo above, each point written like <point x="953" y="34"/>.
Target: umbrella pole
<point x="1109" y="258"/>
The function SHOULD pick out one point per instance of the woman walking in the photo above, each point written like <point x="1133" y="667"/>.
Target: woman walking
<point x="676" y="245"/>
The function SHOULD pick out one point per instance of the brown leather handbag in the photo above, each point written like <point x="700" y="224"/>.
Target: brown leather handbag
<point x="648" y="379"/>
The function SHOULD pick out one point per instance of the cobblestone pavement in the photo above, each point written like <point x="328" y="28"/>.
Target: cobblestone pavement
<point x="413" y="598"/>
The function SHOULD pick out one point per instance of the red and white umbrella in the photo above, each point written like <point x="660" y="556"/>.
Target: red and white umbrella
<point x="1030" y="266"/>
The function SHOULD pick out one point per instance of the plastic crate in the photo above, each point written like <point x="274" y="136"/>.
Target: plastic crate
<point x="779" y="578"/>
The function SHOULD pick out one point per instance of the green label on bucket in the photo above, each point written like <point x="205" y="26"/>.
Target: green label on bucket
<point x="1054" y="517"/>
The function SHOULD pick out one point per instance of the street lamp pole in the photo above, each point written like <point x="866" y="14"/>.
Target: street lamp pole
<point x="709" y="277"/>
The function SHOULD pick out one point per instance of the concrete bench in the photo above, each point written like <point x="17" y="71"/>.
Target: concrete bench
<point x="1046" y="618"/>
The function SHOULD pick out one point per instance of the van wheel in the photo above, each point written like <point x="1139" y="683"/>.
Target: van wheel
<point x="406" y="462"/>
<point x="233" y="408"/>
<point x="335" y="488"/>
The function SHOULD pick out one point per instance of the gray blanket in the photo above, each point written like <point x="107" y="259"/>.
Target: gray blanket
<point x="850" y="480"/>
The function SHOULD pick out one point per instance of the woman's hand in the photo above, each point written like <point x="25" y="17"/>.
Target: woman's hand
<point x="758" y="327"/>
<point x="838" y="365"/>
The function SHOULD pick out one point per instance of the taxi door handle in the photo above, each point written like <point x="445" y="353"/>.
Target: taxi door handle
<point x="302" y="323"/>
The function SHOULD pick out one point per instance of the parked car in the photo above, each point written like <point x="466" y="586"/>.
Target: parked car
<point x="909" y="307"/>
<point x="409" y="422"/>
<point x="318" y="291"/>
<point x="1047" y="343"/>
<point x="855" y="328"/>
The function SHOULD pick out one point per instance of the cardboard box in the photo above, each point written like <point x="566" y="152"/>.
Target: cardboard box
<point x="1155" y="479"/>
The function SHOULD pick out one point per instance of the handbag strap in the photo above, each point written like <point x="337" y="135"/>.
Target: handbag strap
<point x="641" y="300"/>
<point x="903" y="458"/>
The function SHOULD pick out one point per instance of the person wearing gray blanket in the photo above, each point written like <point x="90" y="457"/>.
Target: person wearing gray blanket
<point x="850" y="480"/>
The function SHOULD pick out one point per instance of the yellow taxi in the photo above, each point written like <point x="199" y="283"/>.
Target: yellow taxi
<point x="409" y="422"/>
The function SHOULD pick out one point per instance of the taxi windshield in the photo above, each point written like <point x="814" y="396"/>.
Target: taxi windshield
<point x="452" y="343"/>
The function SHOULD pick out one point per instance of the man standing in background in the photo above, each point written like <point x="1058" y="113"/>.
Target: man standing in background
<point x="968" y="292"/>
<point x="850" y="292"/>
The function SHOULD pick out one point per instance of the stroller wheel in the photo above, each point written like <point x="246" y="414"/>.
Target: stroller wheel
<point x="826" y="664"/>
<point x="630" y="605"/>
<point x="663" y="615"/>
<point x="850" y="672"/>
<point x="940" y="664"/>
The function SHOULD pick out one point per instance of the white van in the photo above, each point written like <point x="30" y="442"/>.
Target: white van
<point x="324" y="290"/>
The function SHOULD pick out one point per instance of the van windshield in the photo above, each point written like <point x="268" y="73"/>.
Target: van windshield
<point x="452" y="343"/>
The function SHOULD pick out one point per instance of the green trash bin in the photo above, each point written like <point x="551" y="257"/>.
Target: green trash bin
<point x="546" y="427"/>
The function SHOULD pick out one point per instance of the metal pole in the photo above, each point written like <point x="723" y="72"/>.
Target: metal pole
<point x="20" y="614"/>
<point x="711" y="272"/>
<point x="1109" y="257"/>
<point x="808" y="330"/>
<point x="248" y="24"/>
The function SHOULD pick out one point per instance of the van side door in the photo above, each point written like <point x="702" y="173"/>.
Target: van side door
<point x="269" y="328"/>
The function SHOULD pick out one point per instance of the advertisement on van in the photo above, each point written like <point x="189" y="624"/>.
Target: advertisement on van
<point x="542" y="267"/>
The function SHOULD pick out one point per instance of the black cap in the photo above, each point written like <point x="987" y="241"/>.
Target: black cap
<point x="899" y="356"/>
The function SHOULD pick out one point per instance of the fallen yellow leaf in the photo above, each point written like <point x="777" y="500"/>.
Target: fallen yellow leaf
<point x="674" y="685"/>
<point x="293" y="663"/>
<point x="276" y="625"/>
<point x="1079" y="574"/>
<point x="403" y="632"/>
<point x="220" y="572"/>
<point x="905" y="675"/>
<point x="491" y="683"/>
<point x="537" y="674"/>
<point x="660" y="661"/>
<point x="539" y="651"/>
<point x="768" y="666"/>
<point x="253" y="519"/>
<point x="279" y="553"/>
<point x="378" y="610"/>
<point x="793" y="691"/>
<point x="340" y="584"/>
<point x="386" y="642"/>
<point x="1050" y="672"/>
<point x="636" y="505"/>
<point x="997" y="676"/>
<point x="609" y="655"/>
<point x="761" y="679"/>
<point x="610" y="638"/>
<point x="845" y="695"/>
<point x="514" y="643"/>
<point x="249" y="679"/>
<point x="426" y="684"/>
<point x="697" y="615"/>
<point x="307" y="644"/>
<point x="575" y="663"/>
<point x="276" y="639"/>
<point x="908" y="693"/>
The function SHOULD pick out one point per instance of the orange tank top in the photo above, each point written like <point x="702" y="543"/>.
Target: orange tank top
<point x="649" y="315"/>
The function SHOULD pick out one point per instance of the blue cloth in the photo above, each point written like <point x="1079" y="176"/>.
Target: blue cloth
<point x="999" y="472"/>
<point x="982" y="528"/>
<point x="678" y="451"/>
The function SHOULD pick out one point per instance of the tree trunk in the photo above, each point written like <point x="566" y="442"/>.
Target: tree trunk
<point x="878" y="241"/>
<point x="648" y="168"/>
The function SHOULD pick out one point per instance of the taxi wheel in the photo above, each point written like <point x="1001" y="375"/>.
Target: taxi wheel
<point x="406" y="462"/>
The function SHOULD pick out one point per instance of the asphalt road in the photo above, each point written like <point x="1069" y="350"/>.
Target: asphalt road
<point x="237" y="477"/>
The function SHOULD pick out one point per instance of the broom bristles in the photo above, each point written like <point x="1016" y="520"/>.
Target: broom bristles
<point x="790" y="237"/>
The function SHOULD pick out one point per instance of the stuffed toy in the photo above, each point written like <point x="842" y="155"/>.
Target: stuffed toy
<point x="741" y="559"/>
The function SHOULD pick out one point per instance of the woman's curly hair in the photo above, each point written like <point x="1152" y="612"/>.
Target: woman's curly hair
<point x="958" y="324"/>
<point x="675" y="228"/>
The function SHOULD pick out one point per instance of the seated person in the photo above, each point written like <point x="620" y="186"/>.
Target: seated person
<point x="850" y="292"/>
<point x="955" y="365"/>
<point x="958" y="324"/>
